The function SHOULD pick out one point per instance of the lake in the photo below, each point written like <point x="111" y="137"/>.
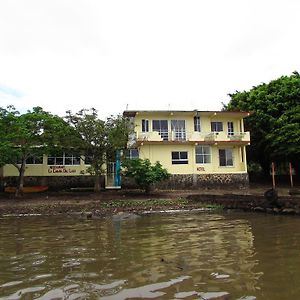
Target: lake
<point x="192" y="255"/>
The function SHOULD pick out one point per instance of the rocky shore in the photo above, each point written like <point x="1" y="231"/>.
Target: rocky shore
<point x="114" y="202"/>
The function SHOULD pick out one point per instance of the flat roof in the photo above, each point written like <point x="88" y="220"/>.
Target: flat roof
<point x="133" y="113"/>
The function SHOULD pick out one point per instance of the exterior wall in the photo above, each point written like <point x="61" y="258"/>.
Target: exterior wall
<point x="195" y="175"/>
<point x="54" y="176"/>
<point x="47" y="170"/>
<point x="162" y="153"/>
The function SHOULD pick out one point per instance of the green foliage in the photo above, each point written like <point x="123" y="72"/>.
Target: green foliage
<point x="31" y="134"/>
<point x="275" y="119"/>
<point x="98" y="139"/>
<point x="144" y="173"/>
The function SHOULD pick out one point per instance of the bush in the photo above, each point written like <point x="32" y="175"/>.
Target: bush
<point x="144" y="173"/>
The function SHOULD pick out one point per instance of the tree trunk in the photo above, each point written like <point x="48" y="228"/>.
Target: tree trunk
<point x="20" y="187"/>
<point x="97" y="184"/>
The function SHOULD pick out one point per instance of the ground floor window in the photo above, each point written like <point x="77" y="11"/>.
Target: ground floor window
<point x="32" y="160"/>
<point x="132" y="153"/>
<point x="179" y="158"/>
<point x="203" y="154"/>
<point x="225" y="157"/>
<point x="64" y="159"/>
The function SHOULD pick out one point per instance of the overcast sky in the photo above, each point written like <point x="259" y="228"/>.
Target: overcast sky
<point x="72" y="54"/>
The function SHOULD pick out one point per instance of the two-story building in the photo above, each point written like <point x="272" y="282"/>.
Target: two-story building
<point x="199" y="148"/>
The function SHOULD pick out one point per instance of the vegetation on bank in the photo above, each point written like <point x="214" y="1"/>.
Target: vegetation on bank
<point x="49" y="206"/>
<point x="144" y="173"/>
<point x="274" y="122"/>
<point x="27" y="136"/>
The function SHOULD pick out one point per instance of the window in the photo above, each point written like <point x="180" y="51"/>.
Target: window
<point x="162" y="127"/>
<point x="132" y="153"/>
<point x="145" y="125"/>
<point x="32" y="160"/>
<point x="203" y="155"/>
<point x="197" y="125"/>
<point x="230" y="130"/>
<point x="178" y="128"/>
<point x="64" y="159"/>
<point x="179" y="158"/>
<point x="225" y="157"/>
<point x="216" y="126"/>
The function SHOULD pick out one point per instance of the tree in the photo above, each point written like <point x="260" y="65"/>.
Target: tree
<point x="145" y="174"/>
<point x="99" y="139"/>
<point x="275" y="120"/>
<point x="29" y="135"/>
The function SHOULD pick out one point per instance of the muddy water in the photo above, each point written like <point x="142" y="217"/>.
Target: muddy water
<point x="168" y="256"/>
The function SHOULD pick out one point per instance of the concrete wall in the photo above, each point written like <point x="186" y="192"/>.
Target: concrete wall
<point x="54" y="183"/>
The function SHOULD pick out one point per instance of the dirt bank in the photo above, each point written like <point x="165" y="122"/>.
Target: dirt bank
<point x="111" y="202"/>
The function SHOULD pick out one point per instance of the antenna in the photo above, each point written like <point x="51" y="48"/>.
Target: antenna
<point x="127" y="106"/>
<point x="169" y="106"/>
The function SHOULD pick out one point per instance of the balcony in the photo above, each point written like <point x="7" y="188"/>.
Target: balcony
<point x="183" y="136"/>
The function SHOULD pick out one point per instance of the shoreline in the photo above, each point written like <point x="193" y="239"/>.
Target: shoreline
<point x="108" y="203"/>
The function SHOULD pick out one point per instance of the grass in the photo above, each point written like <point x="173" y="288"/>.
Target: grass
<point x="156" y="203"/>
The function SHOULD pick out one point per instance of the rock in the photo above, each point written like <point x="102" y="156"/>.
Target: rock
<point x="247" y="298"/>
<point x="271" y="196"/>
<point x="289" y="211"/>
<point x="86" y="215"/>
<point x="294" y="191"/>
<point x="258" y="208"/>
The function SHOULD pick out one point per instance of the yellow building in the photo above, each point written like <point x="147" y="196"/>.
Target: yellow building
<point x="199" y="148"/>
<point x="56" y="171"/>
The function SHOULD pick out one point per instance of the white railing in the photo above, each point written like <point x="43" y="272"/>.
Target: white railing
<point x="155" y="136"/>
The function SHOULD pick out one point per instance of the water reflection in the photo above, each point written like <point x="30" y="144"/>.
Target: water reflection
<point x="154" y="256"/>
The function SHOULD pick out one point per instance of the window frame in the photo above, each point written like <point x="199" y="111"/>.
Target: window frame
<point x="227" y="157"/>
<point x="74" y="159"/>
<point x="203" y="155"/>
<point x="214" y="126"/>
<point x="197" y="124"/>
<point x="181" y="160"/>
<point x="178" y="127"/>
<point x="145" y="125"/>
<point x="129" y="154"/>
<point x="163" y="131"/>
<point x="230" y="128"/>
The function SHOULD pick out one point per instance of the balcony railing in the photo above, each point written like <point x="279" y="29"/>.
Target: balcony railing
<point x="183" y="136"/>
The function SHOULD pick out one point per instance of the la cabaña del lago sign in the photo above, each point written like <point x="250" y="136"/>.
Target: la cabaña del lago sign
<point x="60" y="169"/>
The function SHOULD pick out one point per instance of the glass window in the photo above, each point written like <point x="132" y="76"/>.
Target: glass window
<point x="225" y="157"/>
<point x="132" y="153"/>
<point x="34" y="160"/>
<point x="216" y="126"/>
<point x="230" y="128"/>
<point x="162" y="127"/>
<point x="197" y="125"/>
<point x="64" y="159"/>
<point x="178" y="128"/>
<point x="145" y="125"/>
<point x="203" y="154"/>
<point x="179" y="158"/>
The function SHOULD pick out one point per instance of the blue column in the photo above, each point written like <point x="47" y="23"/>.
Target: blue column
<point x="118" y="169"/>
